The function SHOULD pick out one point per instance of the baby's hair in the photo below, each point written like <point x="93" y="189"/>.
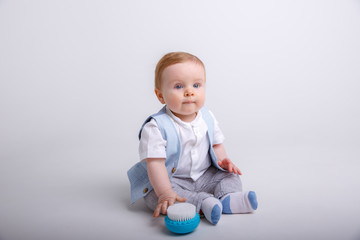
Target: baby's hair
<point x="171" y="59"/>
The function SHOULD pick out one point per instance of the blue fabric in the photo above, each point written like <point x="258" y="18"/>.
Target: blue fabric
<point x="139" y="180"/>
<point x="226" y="205"/>
<point x="253" y="200"/>
<point x="215" y="214"/>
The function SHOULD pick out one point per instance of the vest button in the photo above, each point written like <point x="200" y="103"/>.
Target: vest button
<point x="173" y="170"/>
<point x="145" y="190"/>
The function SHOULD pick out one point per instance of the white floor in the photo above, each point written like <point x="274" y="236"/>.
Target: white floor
<point x="83" y="193"/>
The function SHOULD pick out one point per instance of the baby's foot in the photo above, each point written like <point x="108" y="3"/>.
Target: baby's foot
<point x="239" y="202"/>
<point x="212" y="208"/>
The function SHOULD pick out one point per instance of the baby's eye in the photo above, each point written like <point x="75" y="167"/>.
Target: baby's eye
<point x="196" y="85"/>
<point x="178" y="86"/>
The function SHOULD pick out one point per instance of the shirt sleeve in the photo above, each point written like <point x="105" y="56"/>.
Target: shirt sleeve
<point x="218" y="135"/>
<point x="152" y="144"/>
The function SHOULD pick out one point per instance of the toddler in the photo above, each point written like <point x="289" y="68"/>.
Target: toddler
<point x="181" y="148"/>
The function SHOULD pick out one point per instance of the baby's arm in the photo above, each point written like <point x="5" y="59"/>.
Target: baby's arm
<point x="224" y="161"/>
<point x="160" y="181"/>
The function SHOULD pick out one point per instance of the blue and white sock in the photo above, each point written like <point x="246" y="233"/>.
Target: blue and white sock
<point x="212" y="209"/>
<point x="239" y="202"/>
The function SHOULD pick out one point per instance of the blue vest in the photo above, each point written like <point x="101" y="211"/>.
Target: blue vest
<point x="138" y="177"/>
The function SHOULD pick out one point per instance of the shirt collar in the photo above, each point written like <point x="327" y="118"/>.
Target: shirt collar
<point x="195" y="122"/>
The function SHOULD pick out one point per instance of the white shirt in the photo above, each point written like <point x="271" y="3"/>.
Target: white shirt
<point x="194" y="158"/>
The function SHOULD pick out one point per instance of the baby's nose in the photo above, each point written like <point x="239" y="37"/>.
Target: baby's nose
<point x="189" y="93"/>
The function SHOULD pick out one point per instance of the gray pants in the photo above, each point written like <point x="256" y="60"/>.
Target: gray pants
<point x="213" y="183"/>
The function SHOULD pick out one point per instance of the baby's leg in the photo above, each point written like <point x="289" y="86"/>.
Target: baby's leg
<point x="186" y="188"/>
<point x="210" y="206"/>
<point x="226" y="183"/>
<point x="233" y="198"/>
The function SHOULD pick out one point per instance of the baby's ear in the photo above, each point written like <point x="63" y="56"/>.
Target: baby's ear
<point x="159" y="95"/>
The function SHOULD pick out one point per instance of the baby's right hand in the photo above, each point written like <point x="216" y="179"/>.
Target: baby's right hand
<point x="167" y="199"/>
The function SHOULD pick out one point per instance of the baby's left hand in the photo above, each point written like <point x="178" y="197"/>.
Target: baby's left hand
<point x="228" y="165"/>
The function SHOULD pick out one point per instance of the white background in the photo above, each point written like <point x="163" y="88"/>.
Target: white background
<point x="76" y="83"/>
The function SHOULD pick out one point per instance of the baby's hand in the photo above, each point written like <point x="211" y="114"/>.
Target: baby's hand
<point x="228" y="165"/>
<point x="167" y="199"/>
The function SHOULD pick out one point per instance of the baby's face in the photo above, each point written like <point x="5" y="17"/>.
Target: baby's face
<point x="183" y="89"/>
